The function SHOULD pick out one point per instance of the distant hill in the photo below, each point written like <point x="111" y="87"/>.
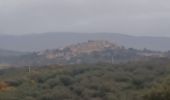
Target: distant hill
<point x="76" y="50"/>
<point x="38" y="42"/>
<point x="92" y="51"/>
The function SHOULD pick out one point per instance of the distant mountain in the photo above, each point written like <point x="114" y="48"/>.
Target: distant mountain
<point x="38" y="42"/>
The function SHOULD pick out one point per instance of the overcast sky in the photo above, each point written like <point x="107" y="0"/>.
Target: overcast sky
<point x="134" y="17"/>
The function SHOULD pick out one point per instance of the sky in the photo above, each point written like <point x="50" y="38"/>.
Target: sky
<point x="133" y="17"/>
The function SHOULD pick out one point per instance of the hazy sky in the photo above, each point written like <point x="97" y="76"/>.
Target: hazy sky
<point x="134" y="17"/>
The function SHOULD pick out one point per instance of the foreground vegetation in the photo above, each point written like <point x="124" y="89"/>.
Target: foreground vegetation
<point x="142" y="80"/>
